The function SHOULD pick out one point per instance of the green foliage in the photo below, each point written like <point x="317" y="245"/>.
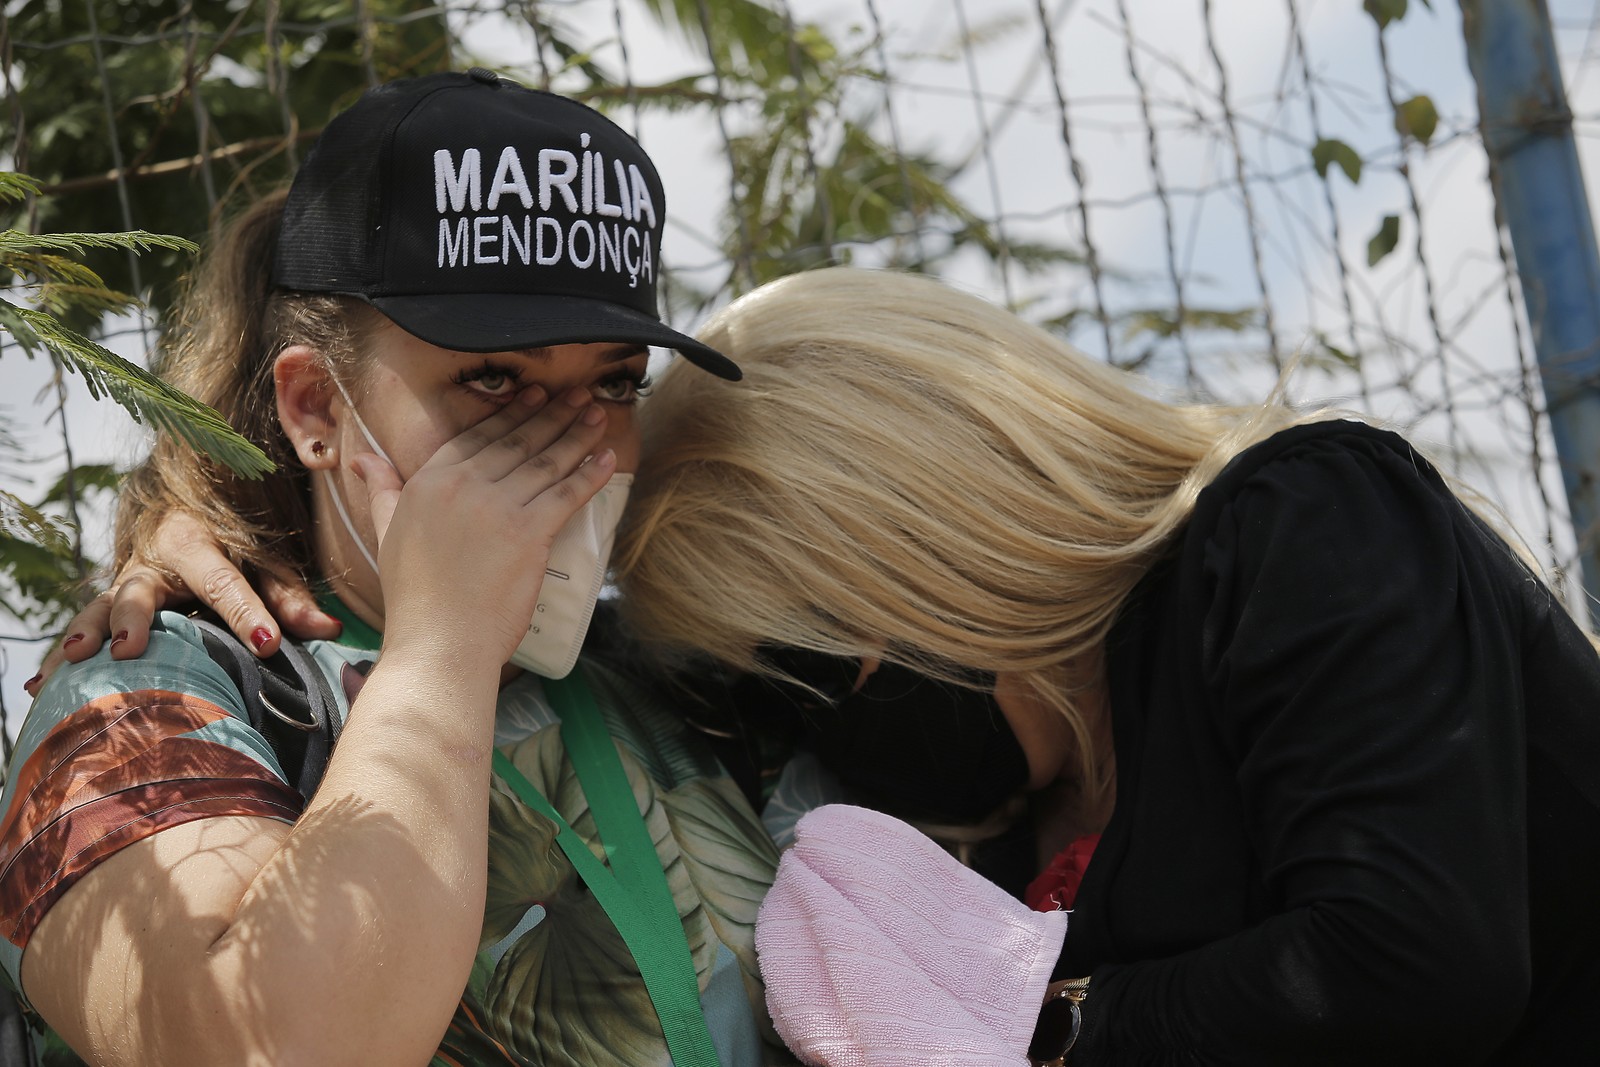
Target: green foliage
<point x="67" y="137"/>
<point x="59" y="287"/>
<point x="84" y="477"/>
<point x="41" y="569"/>
<point x="21" y="520"/>
<point x="1328" y="356"/>
<point x="1144" y="329"/>
<point x="40" y="573"/>
<point x="746" y="40"/>
<point x="1327" y="152"/>
<point x="1384" y="241"/>
<point x="1165" y="322"/>
<point x="14" y="186"/>
<point x="146" y="397"/>
<point x="1417" y="118"/>
<point x="1385" y="11"/>
<point x="814" y="185"/>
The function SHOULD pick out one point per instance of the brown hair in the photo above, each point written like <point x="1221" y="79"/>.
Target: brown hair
<point x="220" y="346"/>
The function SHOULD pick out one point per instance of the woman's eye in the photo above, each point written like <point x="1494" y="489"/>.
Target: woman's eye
<point x="494" y="383"/>
<point x="622" y="389"/>
<point x="490" y="381"/>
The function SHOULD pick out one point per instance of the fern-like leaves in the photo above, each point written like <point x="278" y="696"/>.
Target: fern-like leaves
<point x="146" y="397"/>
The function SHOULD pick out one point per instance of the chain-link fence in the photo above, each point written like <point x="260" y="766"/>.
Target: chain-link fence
<point x="1209" y="191"/>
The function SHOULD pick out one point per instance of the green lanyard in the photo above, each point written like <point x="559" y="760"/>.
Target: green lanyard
<point x="634" y="890"/>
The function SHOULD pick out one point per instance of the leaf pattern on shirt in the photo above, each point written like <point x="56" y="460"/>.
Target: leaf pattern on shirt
<point x="568" y="990"/>
<point x="731" y="864"/>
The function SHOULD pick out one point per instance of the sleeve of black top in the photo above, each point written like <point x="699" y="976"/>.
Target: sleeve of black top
<point x="1361" y="674"/>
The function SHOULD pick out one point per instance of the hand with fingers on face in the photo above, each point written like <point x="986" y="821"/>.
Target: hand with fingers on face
<point x="464" y="540"/>
<point x="185" y="562"/>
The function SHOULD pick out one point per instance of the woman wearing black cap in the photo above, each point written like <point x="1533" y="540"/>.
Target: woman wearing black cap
<point x="443" y="363"/>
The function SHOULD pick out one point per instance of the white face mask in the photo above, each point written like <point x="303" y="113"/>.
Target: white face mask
<point x="572" y="578"/>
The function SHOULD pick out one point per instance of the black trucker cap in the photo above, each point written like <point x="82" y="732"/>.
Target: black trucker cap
<point x="483" y="216"/>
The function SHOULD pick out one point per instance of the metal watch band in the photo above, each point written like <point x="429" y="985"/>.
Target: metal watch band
<point x="1060" y="1021"/>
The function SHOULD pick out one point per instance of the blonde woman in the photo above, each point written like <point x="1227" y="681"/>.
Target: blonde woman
<point x="1340" y="745"/>
<point x="1352" y="744"/>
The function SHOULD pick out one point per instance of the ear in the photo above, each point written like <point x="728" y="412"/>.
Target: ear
<point x="305" y="405"/>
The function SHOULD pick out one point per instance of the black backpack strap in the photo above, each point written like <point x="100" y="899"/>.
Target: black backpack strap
<point x="17" y="1040"/>
<point x="287" y="697"/>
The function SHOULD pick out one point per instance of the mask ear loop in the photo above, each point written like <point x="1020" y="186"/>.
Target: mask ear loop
<point x="333" y="486"/>
<point x="351" y="404"/>
<point x="344" y="517"/>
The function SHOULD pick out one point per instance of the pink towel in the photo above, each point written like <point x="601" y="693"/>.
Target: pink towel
<point x="878" y="947"/>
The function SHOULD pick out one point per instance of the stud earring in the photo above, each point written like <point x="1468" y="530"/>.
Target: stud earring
<point x="318" y="448"/>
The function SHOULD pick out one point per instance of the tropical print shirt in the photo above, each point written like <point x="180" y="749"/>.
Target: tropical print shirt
<point x="113" y="752"/>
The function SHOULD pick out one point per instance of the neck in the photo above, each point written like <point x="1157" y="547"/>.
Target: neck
<point x="344" y="568"/>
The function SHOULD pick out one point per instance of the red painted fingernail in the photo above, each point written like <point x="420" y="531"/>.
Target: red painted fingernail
<point x="74" y="639"/>
<point x="31" y="682"/>
<point x="259" y="637"/>
<point x="122" y="635"/>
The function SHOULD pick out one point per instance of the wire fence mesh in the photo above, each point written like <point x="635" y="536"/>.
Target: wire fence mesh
<point x="1208" y="191"/>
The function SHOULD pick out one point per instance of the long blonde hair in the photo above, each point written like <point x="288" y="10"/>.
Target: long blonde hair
<point x="911" y="472"/>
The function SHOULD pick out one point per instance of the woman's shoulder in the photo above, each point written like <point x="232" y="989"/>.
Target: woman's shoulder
<point x="115" y="751"/>
<point x="1309" y="446"/>
<point x="1332" y="513"/>
<point x="175" y="692"/>
<point x="1333" y="474"/>
<point x="175" y="661"/>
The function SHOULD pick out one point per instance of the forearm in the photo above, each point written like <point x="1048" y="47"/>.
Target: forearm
<point x="356" y="938"/>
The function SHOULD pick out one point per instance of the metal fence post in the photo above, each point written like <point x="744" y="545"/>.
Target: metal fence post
<point x="1527" y="132"/>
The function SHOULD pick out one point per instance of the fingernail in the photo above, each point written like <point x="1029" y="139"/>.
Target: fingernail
<point x="337" y="626"/>
<point x="31" y="682"/>
<point x="74" y="639"/>
<point x="259" y="637"/>
<point x="122" y="635"/>
<point x="594" y="415"/>
<point x="576" y="398"/>
<point x="532" y="396"/>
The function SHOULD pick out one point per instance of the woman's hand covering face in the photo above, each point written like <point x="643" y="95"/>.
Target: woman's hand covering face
<point x="463" y="545"/>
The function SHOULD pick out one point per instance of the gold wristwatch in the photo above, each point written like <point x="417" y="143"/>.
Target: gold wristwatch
<point x="1060" y="1019"/>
